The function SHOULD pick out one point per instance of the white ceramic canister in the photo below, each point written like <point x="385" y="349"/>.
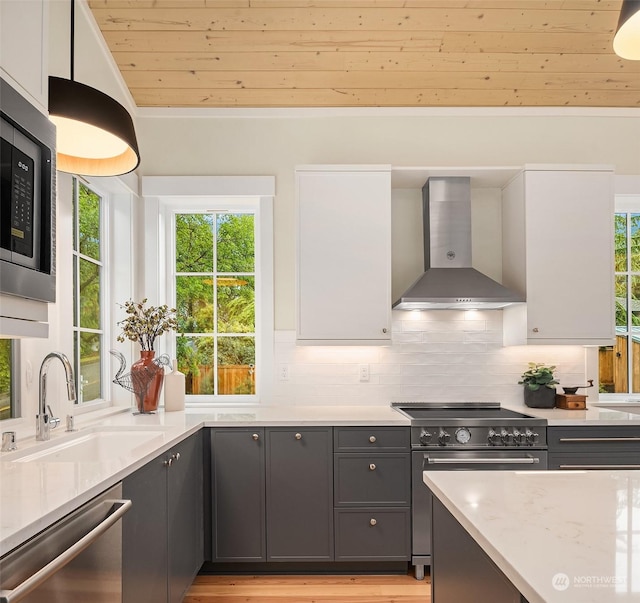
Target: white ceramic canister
<point x="174" y="386"/>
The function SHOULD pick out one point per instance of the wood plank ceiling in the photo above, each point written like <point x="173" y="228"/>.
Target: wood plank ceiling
<point x="369" y="53"/>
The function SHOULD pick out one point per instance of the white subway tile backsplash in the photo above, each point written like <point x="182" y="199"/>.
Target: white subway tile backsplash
<point x="434" y="356"/>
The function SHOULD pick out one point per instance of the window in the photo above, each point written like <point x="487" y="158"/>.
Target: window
<point x="620" y="364"/>
<point x="215" y="297"/>
<point x="88" y="291"/>
<point x="9" y="386"/>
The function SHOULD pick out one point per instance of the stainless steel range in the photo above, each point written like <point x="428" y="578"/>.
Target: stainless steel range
<point x="480" y="436"/>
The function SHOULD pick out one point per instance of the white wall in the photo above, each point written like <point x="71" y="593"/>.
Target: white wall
<point x="275" y="145"/>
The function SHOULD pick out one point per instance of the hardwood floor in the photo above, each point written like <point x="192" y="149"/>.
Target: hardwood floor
<point x="308" y="589"/>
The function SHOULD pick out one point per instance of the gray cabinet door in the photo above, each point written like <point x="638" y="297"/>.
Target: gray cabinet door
<point x="372" y="479"/>
<point x="299" y="494"/>
<point x="144" y="535"/>
<point x="373" y="534"/>
<point x="184" y="496"/>
<point x="238" y="494"/>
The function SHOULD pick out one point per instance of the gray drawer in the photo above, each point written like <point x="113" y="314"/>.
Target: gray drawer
<point x="373" y="534"/>
<point x="593" y="460"/>
<point x="372" y="479"/>
<point x="360" y="439"/>
<point x="594" y="439"/>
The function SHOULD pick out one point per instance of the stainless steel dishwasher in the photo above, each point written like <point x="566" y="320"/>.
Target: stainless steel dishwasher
<point x="76" y="560"/>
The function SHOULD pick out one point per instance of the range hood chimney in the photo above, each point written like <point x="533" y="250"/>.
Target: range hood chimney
<point x="449" y="281"/>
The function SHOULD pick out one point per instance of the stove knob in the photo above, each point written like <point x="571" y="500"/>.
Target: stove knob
<point x="505" y="437"/>
<point x="519" y="438"/>
<point x="425" y="438"/>
<point x="532" y="437"/>
<point x="494" y="438"/>
<point x="443" y="438"/>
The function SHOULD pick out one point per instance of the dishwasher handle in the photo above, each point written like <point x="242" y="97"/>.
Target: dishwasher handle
<point x="119" y="508"/>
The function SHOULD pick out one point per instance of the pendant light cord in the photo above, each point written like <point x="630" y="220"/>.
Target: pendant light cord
<point x="72" y="40"/>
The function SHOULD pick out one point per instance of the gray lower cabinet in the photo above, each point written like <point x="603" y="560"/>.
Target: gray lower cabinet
<point x="272" y="494"/>
<point x="461" y="572"/>
<point x="162" y="533"/>
<point x="238" y="495"/>
<point x="372" y="494"/>
<point x="598" y="447"/>
<point x="299" y="470"/>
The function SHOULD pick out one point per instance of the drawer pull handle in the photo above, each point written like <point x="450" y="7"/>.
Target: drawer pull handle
<point x="372" y="467"/>
<point x="176" y="456"/>
<point x="628" y="439"/>
<point x="372" y="439"/>
<point x="298" y="436"/>
<point x="168" y="462"/>
<point x="255" y="436"/>
<point x="373" y="522"/>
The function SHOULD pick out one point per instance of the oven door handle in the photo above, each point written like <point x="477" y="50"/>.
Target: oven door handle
<point x="528" y="460"/>
<point x="118" y="509"/>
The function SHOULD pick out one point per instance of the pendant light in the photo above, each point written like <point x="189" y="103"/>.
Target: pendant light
<point x="626" y="42"/>
<point x="95" y="134"/>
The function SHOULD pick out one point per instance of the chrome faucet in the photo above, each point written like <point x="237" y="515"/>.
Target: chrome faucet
<point x="45" y="420"/>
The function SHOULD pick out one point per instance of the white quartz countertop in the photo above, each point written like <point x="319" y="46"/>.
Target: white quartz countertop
<point x="35" y="494"/>
<point x="593" y="415"/>
<point x="560" y="537"/>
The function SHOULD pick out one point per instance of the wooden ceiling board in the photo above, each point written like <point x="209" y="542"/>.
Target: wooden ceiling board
<point x="352" y="53"/>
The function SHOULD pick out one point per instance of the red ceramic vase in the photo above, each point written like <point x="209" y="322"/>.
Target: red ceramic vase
<point x="147" y="378"/>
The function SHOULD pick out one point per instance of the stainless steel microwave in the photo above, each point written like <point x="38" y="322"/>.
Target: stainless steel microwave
<point x="27" y="199"/>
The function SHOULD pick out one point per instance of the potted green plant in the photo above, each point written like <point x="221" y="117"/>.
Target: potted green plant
<point x="143" y="324"/>
<point x="539" y="386"/>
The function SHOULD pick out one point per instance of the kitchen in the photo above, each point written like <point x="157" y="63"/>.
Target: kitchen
<point x="435" y="356"/>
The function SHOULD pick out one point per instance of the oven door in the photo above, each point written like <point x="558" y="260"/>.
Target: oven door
<point x="464" y="460"/>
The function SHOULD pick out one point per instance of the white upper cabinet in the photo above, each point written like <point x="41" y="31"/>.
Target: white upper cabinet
<point x="558" y="251"/>
<point x="24" y="35"/>
<point x="343" y="255"/>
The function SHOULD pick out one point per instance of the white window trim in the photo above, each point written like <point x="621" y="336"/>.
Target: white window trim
<point x="626" y="200"/>
<point x="165" y="195"/>
<point x="118" y="194"/>
<point x="105" y="297"/>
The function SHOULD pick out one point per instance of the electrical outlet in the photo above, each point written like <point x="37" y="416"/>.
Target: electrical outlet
<point x="283" y="372"/>
<point x="364" y="372"/>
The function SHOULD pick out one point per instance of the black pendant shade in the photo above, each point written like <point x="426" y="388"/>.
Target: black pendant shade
<point x="626" y="42"/>
<point x="94" y="133"/>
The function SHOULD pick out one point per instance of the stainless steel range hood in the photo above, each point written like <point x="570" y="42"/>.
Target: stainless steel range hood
<point x="449" y="281"/>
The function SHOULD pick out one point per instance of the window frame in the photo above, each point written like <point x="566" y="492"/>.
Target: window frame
<point x="217" y="206"/>
<point x="105" y="259"/>
<point x="161" y="194"/>
<point x="628" y="204"/>
<point x="15" y="402"/>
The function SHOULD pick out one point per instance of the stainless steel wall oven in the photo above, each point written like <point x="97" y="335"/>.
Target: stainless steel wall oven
<point x="479" y="436"/>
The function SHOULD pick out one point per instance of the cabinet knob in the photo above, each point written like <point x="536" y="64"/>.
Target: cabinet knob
<point x="176" y="456"/>
<point x="384" y="330"/>
<point x="168" y="462"/>
<point x="372" y="467"/>
<point x="535" y="329"/>
<point x="372" y="439"/>
<point x="255" y="436"/>
<point x="298" y="436"/>
<point x="373" y="522"/>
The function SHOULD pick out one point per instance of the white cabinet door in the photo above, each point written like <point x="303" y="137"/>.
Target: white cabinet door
<point x="568" y="259"/>
<point x="344" y="255"/>
<point x="24" y="38"/>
